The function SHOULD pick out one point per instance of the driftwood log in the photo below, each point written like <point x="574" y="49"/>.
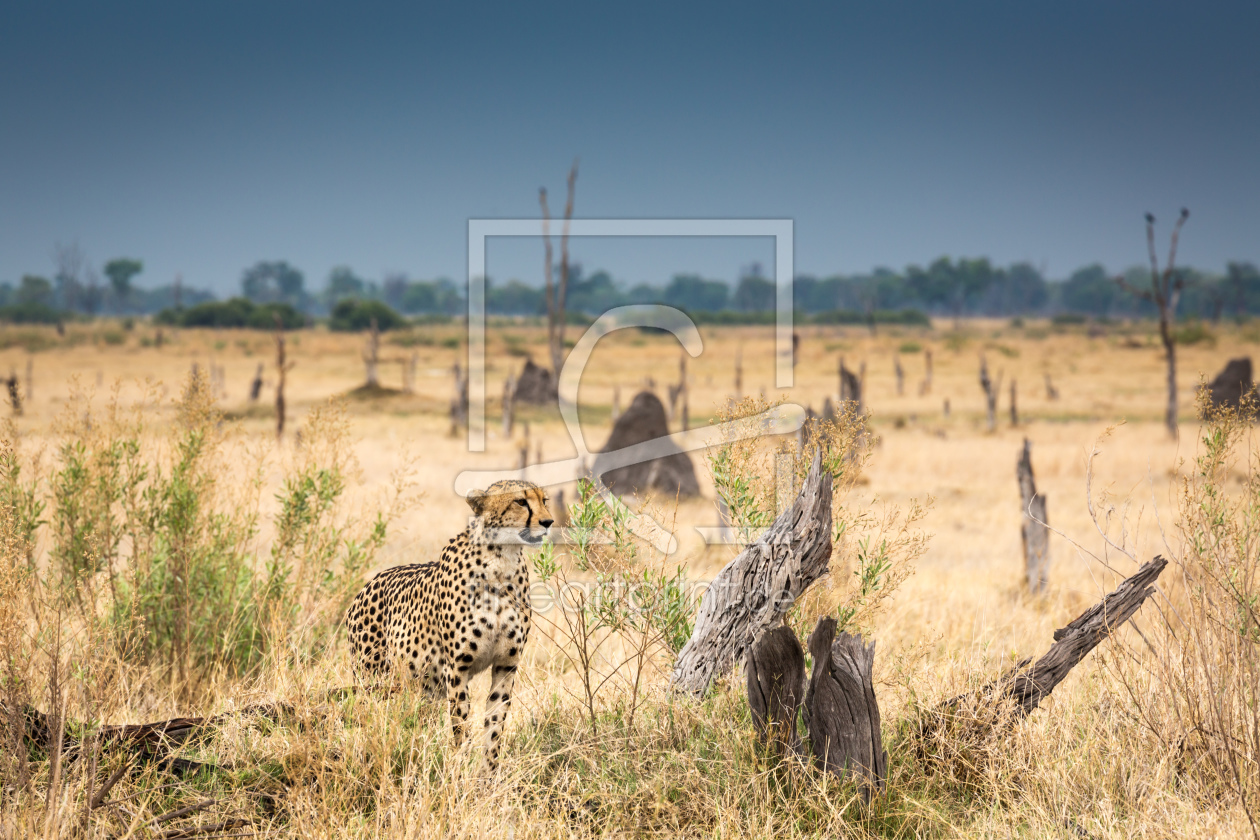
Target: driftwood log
<point x="753" y="592"/>
<point x="1033" y="530"/>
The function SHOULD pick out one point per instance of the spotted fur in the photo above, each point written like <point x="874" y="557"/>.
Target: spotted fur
<point x="442" y="623"/>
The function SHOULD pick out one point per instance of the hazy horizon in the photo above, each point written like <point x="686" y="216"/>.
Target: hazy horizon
<point x="202" y="140"/>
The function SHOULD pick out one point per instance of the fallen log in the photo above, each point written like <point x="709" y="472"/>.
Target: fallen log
<point x="754" y="591"/>
<point x="1071" y="643"/>
<point x="1022" y="688"/>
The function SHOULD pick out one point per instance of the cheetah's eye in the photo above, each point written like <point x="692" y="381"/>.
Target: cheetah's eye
<point x="522" y="503"/>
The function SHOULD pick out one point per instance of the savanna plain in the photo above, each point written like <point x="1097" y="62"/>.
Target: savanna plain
<point x="165" y="555"/>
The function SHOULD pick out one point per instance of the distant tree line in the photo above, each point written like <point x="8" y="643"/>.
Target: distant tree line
<point x="947" y="287"/>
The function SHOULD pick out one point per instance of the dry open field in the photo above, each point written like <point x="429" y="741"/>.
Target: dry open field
<point x="962" y="613"/>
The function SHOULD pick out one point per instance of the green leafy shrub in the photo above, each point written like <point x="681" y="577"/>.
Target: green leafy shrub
<point x="236" y="312"/>
<point x="31" y="312"/>
<point x="354" y="315"/>
<point x="153" y="531"/>
<point x="1194" y="332"/>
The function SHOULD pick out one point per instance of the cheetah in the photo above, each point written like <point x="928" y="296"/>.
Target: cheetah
<point x="443" y="622"/>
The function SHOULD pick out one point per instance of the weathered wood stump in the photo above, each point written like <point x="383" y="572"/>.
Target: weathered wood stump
<point x="841" y="712"/>
<point x="1033" y="530"/>
<point x="776" y="688"/>
<point x="1024" y="686"/>
<point x="754" y="591"/>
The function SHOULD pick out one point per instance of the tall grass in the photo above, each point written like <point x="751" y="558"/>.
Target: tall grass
<point x="1193" y="679"/>
<point x="145" y="572"/>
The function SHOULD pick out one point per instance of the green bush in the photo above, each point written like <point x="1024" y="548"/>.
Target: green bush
<point x="154" y="531"/>
<point x="1068" y="319"/>
<point x="31" y="312"/>
<point x="903" y="317"/>
<point x="1194" y="332"/>
<point x="353" y="315"/>
<point x="236" y="312"/>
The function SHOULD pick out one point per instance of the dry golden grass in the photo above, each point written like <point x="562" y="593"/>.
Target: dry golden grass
<point x="382" y="766"/>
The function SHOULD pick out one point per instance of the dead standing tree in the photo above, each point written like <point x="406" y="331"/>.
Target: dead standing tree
<point x="1034" y="531"/>
<point x="372" y="356"/>
<point x="557" y="290"/>
<point x="282" y="367"/>
<point x="991" y="391"/>
<point x="1165" y="293"/>
<point x="925" y="387"/>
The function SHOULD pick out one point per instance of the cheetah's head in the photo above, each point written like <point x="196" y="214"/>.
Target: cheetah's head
<point x="515" y="512"/>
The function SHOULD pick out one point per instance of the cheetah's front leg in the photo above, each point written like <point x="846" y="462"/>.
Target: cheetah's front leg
<point x="457" y="695"/>
<point x="497" y="705"/>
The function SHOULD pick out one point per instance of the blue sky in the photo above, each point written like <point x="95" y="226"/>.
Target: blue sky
<point x="201" y="137"/>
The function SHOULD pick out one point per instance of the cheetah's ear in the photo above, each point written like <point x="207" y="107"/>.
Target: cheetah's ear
<point x="477" y="501"/>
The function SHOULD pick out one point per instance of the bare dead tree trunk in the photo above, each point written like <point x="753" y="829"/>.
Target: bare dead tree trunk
<point x="459" y="402"/>
<point x="409" y="372"/>
<point x="255" y="385"/>
<point x="282" y="367"/>
<point x="1165" y="293"/>
<point x="739" y="373"/>
<point x="523" y="452"/>
<point x="15" y="394"/>
<point x="991" y="390"/>
<point x="30" y="379"/>
<point x="1034" y="531"/>
<point x="557" y="291"/>
<point x="756" y="589"/>
<point x="509" y="387"/>
<point x="1052" y="393"/>
<point x="851" y="387"/>
<point x="900" y="374"/>
<point x="1014" y="405"/>
<point x="371" y="356"/>
<point x="616" y="403"/>
<point x="925" y="387"/>
<point x="839" y="707"/>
